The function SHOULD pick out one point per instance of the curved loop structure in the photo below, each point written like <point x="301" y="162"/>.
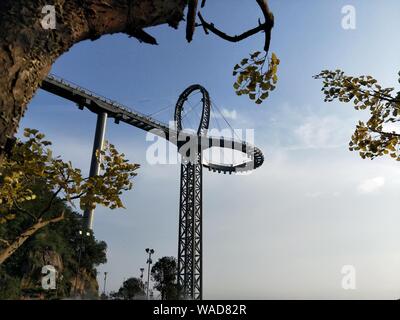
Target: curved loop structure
<point x="205" y="115"/>
<point x="202" y="141"/>
<point x="254" y="154"/>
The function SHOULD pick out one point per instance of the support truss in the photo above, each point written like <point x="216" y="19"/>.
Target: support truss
<point x="190" y="231"/>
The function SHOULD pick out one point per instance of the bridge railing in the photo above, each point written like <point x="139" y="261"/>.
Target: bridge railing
<point x="104" y="99"/>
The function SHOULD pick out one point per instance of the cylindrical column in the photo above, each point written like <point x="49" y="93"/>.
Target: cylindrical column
<point x="105" y="282"/>
<point x="95" y="165"/>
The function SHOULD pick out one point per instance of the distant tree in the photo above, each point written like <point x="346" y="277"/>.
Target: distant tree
<point x="59" y="245"/>
<point x="103" y="296"/>
<point x="380" y="134"/>
<point x="30" y="45"/>
<point x="31" y="163"/>
<point x="164" y="273"/>
<point x="130" y="289"/>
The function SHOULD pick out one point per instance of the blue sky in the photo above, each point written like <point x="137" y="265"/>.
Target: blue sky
<point x="286" y="230"/>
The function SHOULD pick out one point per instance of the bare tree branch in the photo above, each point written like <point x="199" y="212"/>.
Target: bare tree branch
<point x="47" y="208"/>
<point x="223" y="35"/>
<point x="19" y="208"/>
<point x="74" y="197"/>
<point x="264" y="27"/>
<point x="142" y="36"/>
<point x="54" y="220"/>
<point x="191" y="19"/>
<point x="269" y="22"/>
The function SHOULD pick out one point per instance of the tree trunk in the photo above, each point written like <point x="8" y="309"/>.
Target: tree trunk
<point x="8" y="251"/>
<point x="27" y="50"/>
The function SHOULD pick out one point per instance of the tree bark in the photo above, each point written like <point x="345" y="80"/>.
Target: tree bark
<point x="27" y="50"/>
<point x="18" y="242"/>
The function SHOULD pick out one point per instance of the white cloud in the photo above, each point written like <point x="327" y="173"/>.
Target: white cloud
<point x="228" y="114"/>
<point x="319" y="132"/>
<point x="319" y="194"/>
<point x="315" y="194"/>
<point x="371" y="185"/>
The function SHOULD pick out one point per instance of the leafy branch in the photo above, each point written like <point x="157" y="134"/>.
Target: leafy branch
<point x="377" y="136"/>
<point x="31" y="162"/>
<point x="253" y="80"/>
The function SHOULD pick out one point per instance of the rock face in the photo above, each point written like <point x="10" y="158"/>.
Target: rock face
<point x="86" y="285"/>
<point x="69" y="283"/>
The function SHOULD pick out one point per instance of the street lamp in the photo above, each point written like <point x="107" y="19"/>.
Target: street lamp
<point x="87" y="233"/>
<point x="149" y="262"/>
<point x="141" y="277"/>
<point x="105" y="281"/>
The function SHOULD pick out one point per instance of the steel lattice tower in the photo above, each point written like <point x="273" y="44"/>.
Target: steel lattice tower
<point x="190" y="258"/>
<point x="190" y="232"/>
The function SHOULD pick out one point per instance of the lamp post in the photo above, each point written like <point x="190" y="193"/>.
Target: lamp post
<point x="149" y="262"/>
<point x="105" y="282"/>
<point x="87" y="233"/>
<point x="141" y="277"/>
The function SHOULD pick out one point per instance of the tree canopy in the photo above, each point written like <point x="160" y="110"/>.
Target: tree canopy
<point x="132" y="288"/>
<point x="31" y="172"/>
<point x="59" y="245"/>
<point x="164" y="273"/>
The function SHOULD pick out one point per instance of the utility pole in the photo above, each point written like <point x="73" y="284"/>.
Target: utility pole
<point x="149" y="262"/>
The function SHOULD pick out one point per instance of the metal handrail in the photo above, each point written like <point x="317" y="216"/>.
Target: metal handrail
<point x="102" y="98"/>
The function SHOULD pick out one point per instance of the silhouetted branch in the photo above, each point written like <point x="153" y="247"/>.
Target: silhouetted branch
<point x="142" y="36"/>
<point x="264" y="27"/>
<point x="138" y="33"/>
<point x="47" y="208"/>
<point x="269" y="22"/>
<point x="223" y="35"/>
<point x="17" y="206"/>
<point x="191" y="19"/>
